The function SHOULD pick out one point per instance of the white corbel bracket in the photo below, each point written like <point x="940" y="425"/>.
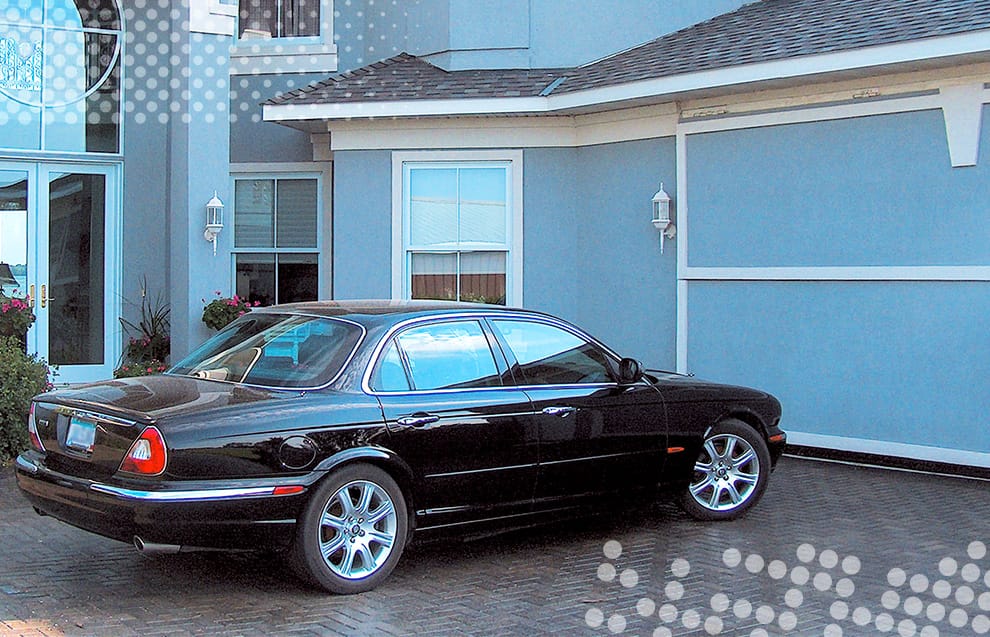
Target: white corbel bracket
<point x="962" y="108"/>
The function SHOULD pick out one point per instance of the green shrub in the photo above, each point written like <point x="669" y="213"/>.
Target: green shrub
<point x="143" y="368"/>
<point x="21" y="377"/>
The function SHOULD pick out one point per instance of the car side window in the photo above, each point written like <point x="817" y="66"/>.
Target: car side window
<point x="390" y="375"/>
<point x="450" y="355"/>
<point x="549" y="355"/>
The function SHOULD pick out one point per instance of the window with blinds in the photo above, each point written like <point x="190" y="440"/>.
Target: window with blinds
<point x="276" y="239"/>
<point x="457" y="231"/>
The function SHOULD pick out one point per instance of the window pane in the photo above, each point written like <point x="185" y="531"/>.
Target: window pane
<point x="13" y="233"/>
<point x="449" y="356"/>
<point x="390" y="375"/>
<point x="434" y="276"/>
<point x="432" y="206"/>
<point x="296" y="210"/>
<point x="298" y="278"/>
<point x="257" y="18"/>
<point x="254" y="213"/>
<point x="256" y="278"/>
<point x="482" y="277"/>
<point x="300" y="17"/>
<point x="483" y="206"/>
<point x="552" y="356"/>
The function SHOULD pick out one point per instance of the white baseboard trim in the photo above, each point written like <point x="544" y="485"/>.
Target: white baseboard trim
<point x="895" y="449"/>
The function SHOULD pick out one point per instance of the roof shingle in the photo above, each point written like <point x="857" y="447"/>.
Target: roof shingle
<point x="763" y="31"/>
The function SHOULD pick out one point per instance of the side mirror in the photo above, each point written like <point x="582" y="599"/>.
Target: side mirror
<point x="630" y="371"/>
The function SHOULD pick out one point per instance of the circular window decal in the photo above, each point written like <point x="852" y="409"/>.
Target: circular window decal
<point x="58" y="52"/>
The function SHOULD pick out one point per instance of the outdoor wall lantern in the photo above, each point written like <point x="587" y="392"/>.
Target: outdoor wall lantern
<point x="214" y="220"/>
<point x="661" y="216"/>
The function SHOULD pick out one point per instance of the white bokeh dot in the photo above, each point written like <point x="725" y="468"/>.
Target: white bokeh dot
<point x="714" y="625"/>
<point x="822" y="581"/>
<point x="662" y="631"/>
<point x="776" y="569"/>
<point x="646" y="607"/>
<point x="691" y="619"/>
<point x="764" y="614"/>
<point x="839" y="610"/>
<point x="907" y="628"/>
<point x="787" y="620"/>
<point x="935" y="612"/>
<point x="832" y="630"/>
<point x="913" y="606"/>
<point x="828" y="558"/>
<point x="800" y="575"/>
<point x="947" y="566"/>
<point x="606" y="572"/>
<point x="629" y="577"/>
<point x="890" y="600"/>
<point x="861" y="616"/>
<point x="884" y="622"/>
<point x="941" y="589"/>
<point x="918" y="583"/>
<point x="965" y="595"/>
<point x="958" y="617"/>
<point x="806" y="553"/>
<point x="981" y="624"/>
<point x="594" y="617"/>
<point x="667" y="613"/>
<point x="720" y="602"/>
<point x="976" y="550"/>
<point x="680" y="567"/>
<point x="616" y="624"/>
<point x="731" y="557"/>
<point x="793" y="598"/>
<point x="754" y="563"/>
<point x="674" y="590"/>
<point x="896" y="577"/>
<point x="929" y="631"/>
<point x="970" y="573"/>
<point x="742" y="608"/>
<point x="845" y="587"/>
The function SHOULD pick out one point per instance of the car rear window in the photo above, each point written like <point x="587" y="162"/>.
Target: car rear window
<point x="275" y="350"/>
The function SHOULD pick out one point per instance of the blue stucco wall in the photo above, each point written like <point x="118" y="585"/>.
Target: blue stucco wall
<point x="865" y="191"/>
<point x="591" y="254"/>
<point x="877" y="360"/>
<point x="254" y="140"/>
<point x="462" y="34"/>
<point x="362" y="225"/>
<point x="894" y="361"/>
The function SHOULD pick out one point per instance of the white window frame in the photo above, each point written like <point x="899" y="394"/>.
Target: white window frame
<point x="323" y="290"/>
<point x="292" y="54"/>
<point x="514" y="201"/>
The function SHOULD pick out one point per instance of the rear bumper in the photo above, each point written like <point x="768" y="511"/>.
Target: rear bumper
<point x="234" y="515"/>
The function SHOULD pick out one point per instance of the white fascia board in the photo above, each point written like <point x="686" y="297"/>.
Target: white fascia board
<point x="408" y="108"/>
<point x="903" y="52"/>
<point x="955" y="273"/>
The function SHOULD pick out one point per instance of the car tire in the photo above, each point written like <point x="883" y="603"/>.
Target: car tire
<point x="730" y="473"/>
<point x="352" y="531"/>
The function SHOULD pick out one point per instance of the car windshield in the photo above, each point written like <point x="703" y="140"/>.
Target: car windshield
<point x="274" y="350"/>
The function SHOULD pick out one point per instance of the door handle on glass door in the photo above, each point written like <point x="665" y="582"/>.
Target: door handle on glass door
<point x="563" y="412"/>
<point x="30" y="297"/>
<point x="45" y="299"/>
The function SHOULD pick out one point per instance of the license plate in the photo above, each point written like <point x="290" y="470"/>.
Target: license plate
<point x="81" y="435"/>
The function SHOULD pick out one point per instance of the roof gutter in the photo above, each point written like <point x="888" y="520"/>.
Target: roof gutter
<point x="928" y="49"/>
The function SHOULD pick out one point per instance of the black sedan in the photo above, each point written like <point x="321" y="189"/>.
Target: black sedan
<point x="332" y="431"/>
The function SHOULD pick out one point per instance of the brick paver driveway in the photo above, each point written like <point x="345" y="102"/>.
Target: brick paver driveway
<point x="832" y="550"/>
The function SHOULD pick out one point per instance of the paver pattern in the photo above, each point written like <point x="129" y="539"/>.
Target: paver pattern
<point x="641" y="571"/>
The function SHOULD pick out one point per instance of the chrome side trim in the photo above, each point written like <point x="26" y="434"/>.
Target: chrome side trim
<point x="199" y="495"/>
<point x="26" y="465"/>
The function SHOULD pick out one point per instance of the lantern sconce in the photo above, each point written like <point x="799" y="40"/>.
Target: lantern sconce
<point x="661" y="216"/>
<point x="214" y="220"/>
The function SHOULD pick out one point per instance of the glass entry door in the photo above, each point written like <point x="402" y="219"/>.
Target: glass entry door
<point x="56" y="237"/>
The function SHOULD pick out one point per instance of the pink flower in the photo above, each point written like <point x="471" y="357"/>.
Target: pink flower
<point x="257" y="303"/>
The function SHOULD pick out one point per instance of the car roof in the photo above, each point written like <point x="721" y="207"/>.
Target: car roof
<point x="387" y="311"/>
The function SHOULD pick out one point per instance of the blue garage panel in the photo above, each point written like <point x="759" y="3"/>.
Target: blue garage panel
<point x="900" y="362"/>
<point x="866" y="191"/>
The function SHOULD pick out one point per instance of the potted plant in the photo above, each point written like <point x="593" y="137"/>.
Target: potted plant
<point x="221" y="311"/>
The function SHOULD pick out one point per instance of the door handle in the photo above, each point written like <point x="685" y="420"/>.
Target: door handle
<point x="45" y="299"/>
<point x="418" y="420"/>
<point x="562" y="412"/>
<point x="30" y="298"/>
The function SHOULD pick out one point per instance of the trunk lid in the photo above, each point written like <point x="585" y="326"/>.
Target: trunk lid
<point x="87" y="430"/>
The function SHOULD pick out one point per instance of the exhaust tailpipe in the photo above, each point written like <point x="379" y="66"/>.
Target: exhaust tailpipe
<point x="149" y="548"/>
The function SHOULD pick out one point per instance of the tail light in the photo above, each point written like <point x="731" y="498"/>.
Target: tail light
<point x="147" y="456"/>
<point x="33" y="431"/>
